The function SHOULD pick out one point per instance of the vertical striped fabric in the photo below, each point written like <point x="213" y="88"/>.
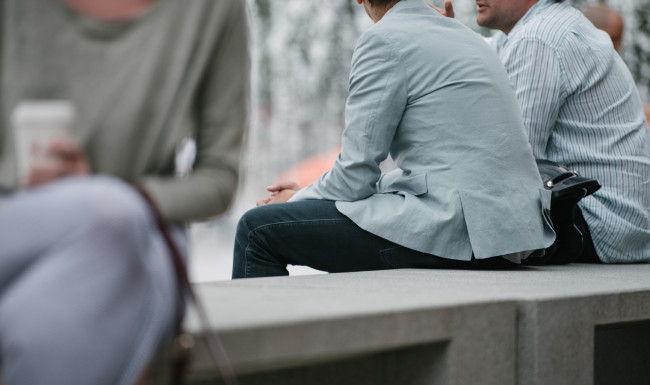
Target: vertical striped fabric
<point x="581" y="108"/>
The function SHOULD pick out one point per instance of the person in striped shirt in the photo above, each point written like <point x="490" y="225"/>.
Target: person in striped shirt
<point x="581" y="108"/>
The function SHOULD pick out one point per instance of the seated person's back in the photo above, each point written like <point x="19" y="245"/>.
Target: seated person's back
<point x="431" y="93"/>
<point x="582" y="110"/>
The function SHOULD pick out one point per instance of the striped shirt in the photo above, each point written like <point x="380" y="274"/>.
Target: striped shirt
<point x="581" y="108"/>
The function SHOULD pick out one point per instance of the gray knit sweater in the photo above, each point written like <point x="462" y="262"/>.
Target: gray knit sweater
<point x="139" y="87"/>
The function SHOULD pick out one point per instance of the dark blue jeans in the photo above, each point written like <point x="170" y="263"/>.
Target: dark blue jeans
<point x="313" y="233"/>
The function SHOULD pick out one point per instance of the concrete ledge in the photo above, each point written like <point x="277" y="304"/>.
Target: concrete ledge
<point x="275" y="323"/>
<point x="532" y="325"/>
<point x="557" y="332"/>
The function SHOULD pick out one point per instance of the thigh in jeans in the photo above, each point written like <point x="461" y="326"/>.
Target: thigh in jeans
<point x="400" y="257"/>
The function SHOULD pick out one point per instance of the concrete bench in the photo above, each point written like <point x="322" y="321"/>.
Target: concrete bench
<point x="574" y="324"/>
<point x="583" y="324"/>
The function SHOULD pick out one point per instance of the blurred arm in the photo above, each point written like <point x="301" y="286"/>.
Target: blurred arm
<point x="222" y="108"/>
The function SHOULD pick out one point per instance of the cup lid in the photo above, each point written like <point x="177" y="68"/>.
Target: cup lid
<point x="43" y="111"/>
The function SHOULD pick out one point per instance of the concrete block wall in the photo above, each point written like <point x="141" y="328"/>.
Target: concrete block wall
<point x="573" y="324"/>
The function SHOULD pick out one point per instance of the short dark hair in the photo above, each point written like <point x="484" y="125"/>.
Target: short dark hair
<point x="376" y="3"/>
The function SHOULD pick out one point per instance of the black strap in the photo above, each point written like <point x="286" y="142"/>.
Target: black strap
<point x="213" y="342"/>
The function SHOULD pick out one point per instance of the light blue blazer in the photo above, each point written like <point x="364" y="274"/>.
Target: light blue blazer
<point x="432" y="94"/>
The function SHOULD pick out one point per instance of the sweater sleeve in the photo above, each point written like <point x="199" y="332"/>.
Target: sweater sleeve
<point x="222" y="104"/>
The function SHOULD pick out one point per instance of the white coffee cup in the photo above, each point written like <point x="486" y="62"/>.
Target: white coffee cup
<point x="36" y="124"/>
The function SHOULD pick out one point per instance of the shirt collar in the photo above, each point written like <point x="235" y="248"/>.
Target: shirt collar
<point x="502" y="38"/>
<point x="401" y="4"/>
<point x="534" y="10"/>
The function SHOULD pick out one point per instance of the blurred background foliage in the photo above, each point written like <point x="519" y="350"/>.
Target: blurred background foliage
<point x="302" y="53"/>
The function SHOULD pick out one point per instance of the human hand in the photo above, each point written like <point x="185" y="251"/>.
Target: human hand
<point x="279" y="192"/>
<point x="61" y="158"/>
<point x="447" y="12"/>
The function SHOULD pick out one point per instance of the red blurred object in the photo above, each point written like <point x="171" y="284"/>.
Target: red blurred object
<point x="309" y="170"/>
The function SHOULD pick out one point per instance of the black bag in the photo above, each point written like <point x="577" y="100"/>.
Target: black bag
<point x="567" y="188"/>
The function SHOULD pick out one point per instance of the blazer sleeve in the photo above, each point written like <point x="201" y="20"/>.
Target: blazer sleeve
<point x="377" y="99"/>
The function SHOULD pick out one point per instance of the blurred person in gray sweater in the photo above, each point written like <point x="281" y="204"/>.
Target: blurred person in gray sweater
<point x="87" y="289"/>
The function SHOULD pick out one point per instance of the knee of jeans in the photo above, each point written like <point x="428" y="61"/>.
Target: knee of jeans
<point x="258" y="217"/>
<point x="249" y="221"/>
<point x="249" y="224"/>
<point x="243" y="229"/>
<point x="111" y="209"/>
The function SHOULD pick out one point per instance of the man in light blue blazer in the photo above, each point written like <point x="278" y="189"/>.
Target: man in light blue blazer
<point x="466" y="191"/>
